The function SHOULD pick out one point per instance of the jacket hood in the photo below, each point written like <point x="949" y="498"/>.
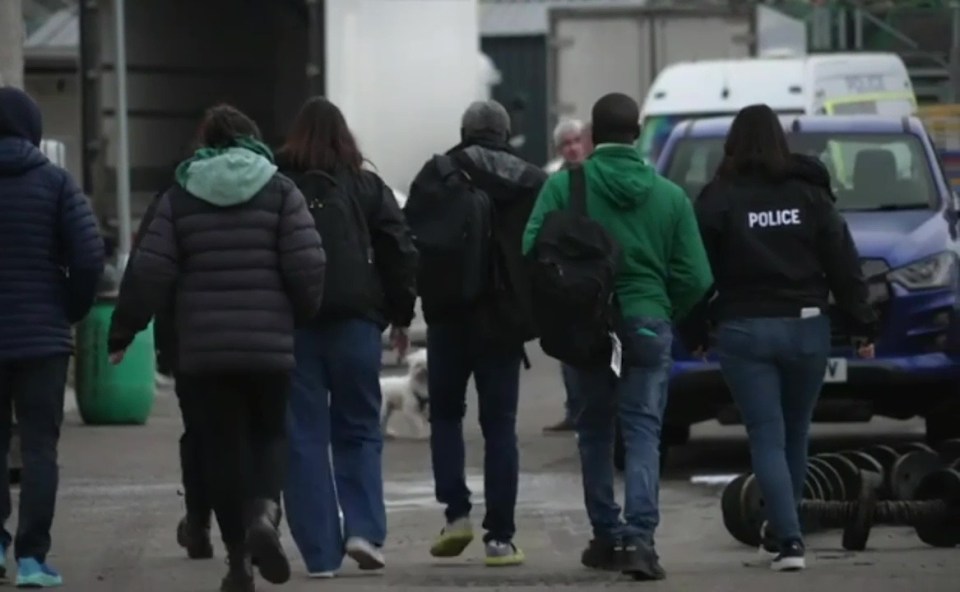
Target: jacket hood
<point x="20" y="116"/>
<point x="18" y="155"/>
<point x="621" y="175"/>
<point x="811" y="170"/>
<point x="227" y="177"/>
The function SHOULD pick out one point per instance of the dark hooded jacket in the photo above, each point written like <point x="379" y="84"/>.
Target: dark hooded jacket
<point x="797" y="247"/>
<point x="51" y="250"/>
<point x="233" y="247"/>
<point x="505" y="315"/>
<point x="389" y="294"/>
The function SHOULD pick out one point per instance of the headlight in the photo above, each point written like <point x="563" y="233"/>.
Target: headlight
<point x="932" y="272"/>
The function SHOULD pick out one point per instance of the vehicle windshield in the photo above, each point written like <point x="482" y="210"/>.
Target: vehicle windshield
<point x="656" y="129"/>
<point x="868" y="172"/>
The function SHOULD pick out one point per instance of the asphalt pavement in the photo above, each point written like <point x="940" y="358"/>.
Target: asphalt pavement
<point x="119" y="505"/>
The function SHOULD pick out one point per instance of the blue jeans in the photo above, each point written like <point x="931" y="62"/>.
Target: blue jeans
<point x="335" y="404"/>
<point x="455" y="353"/>
<point x="572" y="404"/>
<point x="775" y="368"/>
<point x="638" y="398"/>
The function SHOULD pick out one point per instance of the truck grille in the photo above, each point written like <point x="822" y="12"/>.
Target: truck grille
<point x="875" y="272"/>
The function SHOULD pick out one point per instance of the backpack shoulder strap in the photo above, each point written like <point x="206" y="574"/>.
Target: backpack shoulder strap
<point x="578" y="191"/>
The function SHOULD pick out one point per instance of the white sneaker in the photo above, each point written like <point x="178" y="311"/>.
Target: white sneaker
<point x="320" y="575"/>
<point x="365" y="553"/>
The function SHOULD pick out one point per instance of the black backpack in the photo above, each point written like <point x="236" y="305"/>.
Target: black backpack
<point x="351" y="286"/>
<point x="451" y="223"/>
<point x="573" y="269"/>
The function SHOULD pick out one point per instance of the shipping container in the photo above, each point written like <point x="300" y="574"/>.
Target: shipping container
<point x="594" y="51"/>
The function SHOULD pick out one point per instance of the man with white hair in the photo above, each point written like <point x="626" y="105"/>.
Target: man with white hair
<point x="568" y="141"/>
<point x="467" y="210"/>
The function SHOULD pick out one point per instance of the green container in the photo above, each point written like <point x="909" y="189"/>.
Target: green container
<point x="108" y="394"/>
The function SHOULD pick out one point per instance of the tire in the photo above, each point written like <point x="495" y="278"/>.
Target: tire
<point x="943" y="422"/>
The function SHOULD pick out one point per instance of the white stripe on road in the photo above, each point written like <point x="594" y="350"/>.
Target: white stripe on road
<point x="550" y="492"/>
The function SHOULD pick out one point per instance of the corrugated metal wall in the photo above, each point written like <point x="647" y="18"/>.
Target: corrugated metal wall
<point x="522" y="61"/>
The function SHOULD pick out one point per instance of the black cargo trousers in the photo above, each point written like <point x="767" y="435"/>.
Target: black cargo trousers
<point x="241" y="422"/>
<point x="34" y="387"/>
<point x="195" y="491"/>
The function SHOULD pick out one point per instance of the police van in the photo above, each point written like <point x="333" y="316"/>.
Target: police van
<point x="827" y="84"/>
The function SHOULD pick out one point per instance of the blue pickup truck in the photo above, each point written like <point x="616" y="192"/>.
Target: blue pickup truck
<point x="904" y="218"/>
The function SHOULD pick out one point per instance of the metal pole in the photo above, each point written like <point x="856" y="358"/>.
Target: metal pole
<point x="858" y="28"/>
<point x="123" y="137"/>
<point x="954" y="63"/>
<point x="11" y="46"/>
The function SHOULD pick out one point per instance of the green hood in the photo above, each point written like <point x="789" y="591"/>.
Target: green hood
<point x="621" y="175"/>
<point x="227" y="176"/>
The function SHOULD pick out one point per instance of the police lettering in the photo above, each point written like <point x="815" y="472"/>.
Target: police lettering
<point x="774" y="218"/>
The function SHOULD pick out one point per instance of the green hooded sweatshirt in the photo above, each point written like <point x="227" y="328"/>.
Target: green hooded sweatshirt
<point x="230" y="176"/>
<point x="665" y="271"/>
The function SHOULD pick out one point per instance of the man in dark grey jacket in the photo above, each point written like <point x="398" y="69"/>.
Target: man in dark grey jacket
<point x="235" y="245"/>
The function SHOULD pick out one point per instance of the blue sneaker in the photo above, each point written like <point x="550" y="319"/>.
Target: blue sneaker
<point x="33" y="574"/>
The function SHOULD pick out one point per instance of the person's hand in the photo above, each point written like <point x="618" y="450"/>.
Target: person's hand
<point x="117" y="356"/>
<point x="866" y="351"/>
<point x="400" y="341"/>
<point x="700" y="353"/>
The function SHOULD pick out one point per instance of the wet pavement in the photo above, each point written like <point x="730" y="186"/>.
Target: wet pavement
<point x="119" y="505"/>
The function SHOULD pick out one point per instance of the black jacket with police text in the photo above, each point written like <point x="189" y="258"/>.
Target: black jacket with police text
<point x="778" y="245"/>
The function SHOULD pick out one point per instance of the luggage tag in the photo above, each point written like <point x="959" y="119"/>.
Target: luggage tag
<point x="616" y="358"/>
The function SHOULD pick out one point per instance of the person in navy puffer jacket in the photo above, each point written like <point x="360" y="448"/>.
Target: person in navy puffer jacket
<point x="51" y="258"/>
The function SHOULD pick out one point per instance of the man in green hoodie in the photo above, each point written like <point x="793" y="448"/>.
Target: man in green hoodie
<point x="663" y="275"/>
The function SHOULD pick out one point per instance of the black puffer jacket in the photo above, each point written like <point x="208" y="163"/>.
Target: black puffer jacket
<point x="241" y="273"/>
<point x="386" y="291"/>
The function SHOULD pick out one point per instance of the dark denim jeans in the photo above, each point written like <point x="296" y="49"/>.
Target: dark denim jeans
<point x="335" y="409"/>
<point x="572" y="403"/>
<point x="455" y="353"/>
<point x="775" y="368"/>
<point x="34" y="387"/>
<point x="638" y="398"/>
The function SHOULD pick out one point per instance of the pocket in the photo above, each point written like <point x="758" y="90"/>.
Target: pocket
<point x="813" y="336"/>
<point x="737" y="338"/>
<point x="646" y="343"/>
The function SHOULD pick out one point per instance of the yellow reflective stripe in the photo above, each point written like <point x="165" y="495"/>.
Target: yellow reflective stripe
<point x="884" y="96"/>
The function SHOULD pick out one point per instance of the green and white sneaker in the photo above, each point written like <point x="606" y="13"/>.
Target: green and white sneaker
<point x="503" y="554"/>
<point x="453" y="539"/>
<point x="33" y="574"/>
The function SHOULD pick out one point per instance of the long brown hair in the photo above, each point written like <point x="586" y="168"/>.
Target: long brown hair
<point x="755" y="144"/>
<point x="321" y="140"/>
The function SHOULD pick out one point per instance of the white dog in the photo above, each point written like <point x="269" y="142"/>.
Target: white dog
<point x="407" y="395"/>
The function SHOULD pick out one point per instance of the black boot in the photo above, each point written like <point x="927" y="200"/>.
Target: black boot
<point x="239" y="576"/>
<point x="195" y="538"/>
<point x="263" y="541"/>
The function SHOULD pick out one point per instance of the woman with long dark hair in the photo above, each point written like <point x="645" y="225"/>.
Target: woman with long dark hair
<point x="335" y="397"/>
<point x="777" y="246"/>
<point x="233" y="245"/>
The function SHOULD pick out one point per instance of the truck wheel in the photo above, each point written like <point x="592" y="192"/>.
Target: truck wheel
<point x="943" y="423"/>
